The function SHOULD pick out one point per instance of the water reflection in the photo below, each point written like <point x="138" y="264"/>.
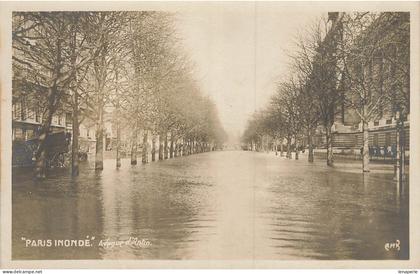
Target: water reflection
<point x="221" y="205"/>
<point x="55" y="209"/>
<point x="331" y="215"/>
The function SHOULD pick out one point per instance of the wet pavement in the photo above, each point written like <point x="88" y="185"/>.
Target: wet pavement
<point x="216" y="205"/>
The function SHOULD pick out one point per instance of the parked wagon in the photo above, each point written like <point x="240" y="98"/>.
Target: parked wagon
<point x="57" y="144"/>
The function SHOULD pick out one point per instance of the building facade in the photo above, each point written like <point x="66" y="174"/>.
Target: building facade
<point x="389" y="33"/>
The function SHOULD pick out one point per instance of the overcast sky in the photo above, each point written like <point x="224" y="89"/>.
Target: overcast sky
<point x="239" y="52"/>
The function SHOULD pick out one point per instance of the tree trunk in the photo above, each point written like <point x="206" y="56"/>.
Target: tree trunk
<point x="183" y="147"/>
<point x="275" y="147"/>
<point x="161" y="146"/>
<point x="397" y="167"/>
<point x="296" y="150"/>
<point x="365" y="147"/>
<point x="310" y="147"/>
<point x="117" y="108"/>
<point x="289" y="152"/>
<point x="54" y="96"/>
<point x="281" y="148"/>
<point x="171" y="147"/>
<point x="144" y="156"/>
<point x="402" y="150"/>
<point x="165" y="150"/>
<point x="75" y="135"/>
<point x="100" y="76"/>
<point x="41" y="152"/>
<point x="118" y="144"/>
<point x="99" y="152"/>
<point x="153" y="147"/>
<point x="330" y="155"/>
<point x="41" y="159"/>
<point x="75" y="105"/>
<point x="134" y="147"/>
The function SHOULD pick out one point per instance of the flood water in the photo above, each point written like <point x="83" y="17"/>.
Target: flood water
<point x="216" y="205"/>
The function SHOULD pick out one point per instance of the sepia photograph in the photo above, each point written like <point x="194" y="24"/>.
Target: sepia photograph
<point x="226" y="131"/>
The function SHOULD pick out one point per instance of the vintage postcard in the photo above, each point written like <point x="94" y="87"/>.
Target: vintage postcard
<point x="210" y="134"/>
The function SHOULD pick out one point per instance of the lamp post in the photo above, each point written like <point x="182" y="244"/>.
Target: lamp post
<point x="398" y="168"/>
<point x="402" y="146"/>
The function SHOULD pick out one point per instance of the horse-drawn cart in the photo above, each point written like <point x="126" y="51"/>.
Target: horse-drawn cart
<point x="57" y="146"/>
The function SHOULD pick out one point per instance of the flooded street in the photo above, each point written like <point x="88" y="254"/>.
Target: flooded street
<point x="216" y="205"/>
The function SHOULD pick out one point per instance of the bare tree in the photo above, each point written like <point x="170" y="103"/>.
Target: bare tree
<point x="41" y="50"/>
<point x="368" y="51"/>
<point x="326" y="74"/>
<point x="308" y="104"/>
<point x="103" y="28"/>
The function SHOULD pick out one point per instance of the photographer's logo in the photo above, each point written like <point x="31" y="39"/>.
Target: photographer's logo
<point x="393" y="246"/>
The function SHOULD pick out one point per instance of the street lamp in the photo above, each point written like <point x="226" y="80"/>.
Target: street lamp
<point x="398" y="168"/>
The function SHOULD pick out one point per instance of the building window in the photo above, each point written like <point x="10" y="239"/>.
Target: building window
<point x="389" y="121"/>
<point x="69" y="119"/>
<point x="37" y="115"/>
<point x="87" y="133"/>
<point x="23" y="109"/>
<point x="387" y="139"/>
<point x="376" y="123"/>
<point x="16" y="111"/>
<point x="375" y="139"/>
<point x="31" y="114"/>
<point x="19" y="134"/>
<point x="59" y="119"/>
<point x="30" y="134"/>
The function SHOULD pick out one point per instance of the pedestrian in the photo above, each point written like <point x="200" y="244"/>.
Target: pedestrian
<point x="394" y="151"/>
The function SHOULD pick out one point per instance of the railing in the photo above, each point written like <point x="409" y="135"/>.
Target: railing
<point x="376" y="153"/>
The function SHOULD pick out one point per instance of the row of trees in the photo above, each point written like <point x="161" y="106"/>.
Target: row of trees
<point x="128" y="63"/>
<point x="356" y="63"/>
